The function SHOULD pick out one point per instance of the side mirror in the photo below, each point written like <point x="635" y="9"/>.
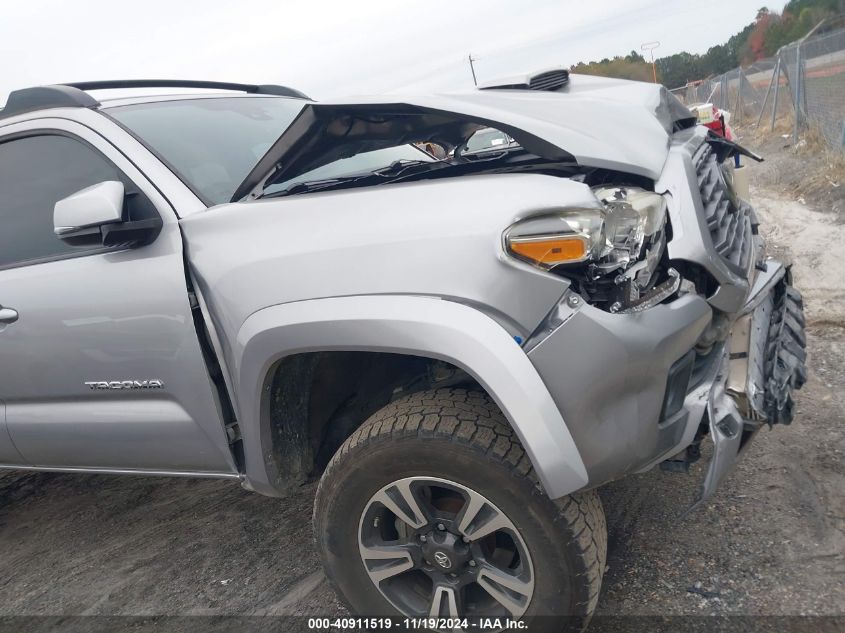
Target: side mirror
<point x="95" y="215"/>
<point x="77" y="219"/>
<point x="91" y="207"/>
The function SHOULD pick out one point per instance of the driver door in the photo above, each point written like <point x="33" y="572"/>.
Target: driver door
<point x="88" y="316"/>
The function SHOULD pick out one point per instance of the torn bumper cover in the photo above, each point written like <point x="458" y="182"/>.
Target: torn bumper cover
<point x="607" y="374"/>
<point x="635" y="391"/>
<point x="757" y="372"/>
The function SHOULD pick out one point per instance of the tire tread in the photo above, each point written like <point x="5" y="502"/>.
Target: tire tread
<point x="471" y="418"/>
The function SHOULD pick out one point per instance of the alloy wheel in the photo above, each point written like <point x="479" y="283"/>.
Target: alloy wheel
<point x="437" y="548"/>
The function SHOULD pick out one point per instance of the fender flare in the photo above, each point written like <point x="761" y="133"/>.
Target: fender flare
<point x="419" y="326"/>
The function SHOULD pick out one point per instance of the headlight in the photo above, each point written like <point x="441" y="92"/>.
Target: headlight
<point x="635" y="229"/>
<point x="621" y="230"/>
<point x="619" y="242"/>
<point x="569" y="236"/>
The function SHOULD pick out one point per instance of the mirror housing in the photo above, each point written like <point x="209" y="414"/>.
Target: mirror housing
<point x="95" y="216"/>
<point x="88" y="208"/>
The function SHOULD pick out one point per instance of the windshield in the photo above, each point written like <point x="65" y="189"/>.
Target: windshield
<point x="212" y="144"/>
<point x="363" y="163"/>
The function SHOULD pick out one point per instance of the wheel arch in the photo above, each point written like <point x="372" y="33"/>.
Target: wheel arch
<point x="423" y="327"/>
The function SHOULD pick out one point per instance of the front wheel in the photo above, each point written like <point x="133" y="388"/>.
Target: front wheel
<point x="432" y="509"/>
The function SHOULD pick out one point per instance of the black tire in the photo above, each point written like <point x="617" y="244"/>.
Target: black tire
<point x="461" y="436"/>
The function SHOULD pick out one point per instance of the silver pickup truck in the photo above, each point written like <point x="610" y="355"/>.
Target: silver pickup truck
<point x="255" y="286"/>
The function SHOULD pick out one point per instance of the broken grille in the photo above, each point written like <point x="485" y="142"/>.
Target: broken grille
<point x="729" y="222"/>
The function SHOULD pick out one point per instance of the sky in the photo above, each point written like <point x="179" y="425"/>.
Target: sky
<point x="332" y="48"/>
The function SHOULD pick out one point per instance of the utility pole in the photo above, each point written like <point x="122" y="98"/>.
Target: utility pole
<point x="650" y="46"/>
<point x="472" y="68"/>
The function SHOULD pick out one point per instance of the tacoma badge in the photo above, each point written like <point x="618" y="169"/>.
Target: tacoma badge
<point x="155" y="383"/>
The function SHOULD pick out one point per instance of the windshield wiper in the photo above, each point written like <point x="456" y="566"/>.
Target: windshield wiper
<point x="309" y="185"/>
<point x="396" y="171"/>
<point x="398" y="167"/>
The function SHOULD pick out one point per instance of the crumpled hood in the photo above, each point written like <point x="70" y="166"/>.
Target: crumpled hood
<point x="594" y="121"/>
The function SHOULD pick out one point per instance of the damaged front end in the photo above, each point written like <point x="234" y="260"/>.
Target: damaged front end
<point x="675" y="326"/>
<point x="614" y="252"/>
<point x="668" y="326"/>
<point x="752" y="356"/>
<point x="754" y="375"/>
<point x="767" y="352"/>
<point x="760" y="367"/>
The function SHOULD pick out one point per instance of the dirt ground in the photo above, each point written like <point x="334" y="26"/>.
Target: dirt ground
<point x="771" y="543"/>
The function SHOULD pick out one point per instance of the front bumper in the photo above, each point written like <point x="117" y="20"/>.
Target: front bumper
<point x="607" y="374"/>
<point x="616" y="378"/>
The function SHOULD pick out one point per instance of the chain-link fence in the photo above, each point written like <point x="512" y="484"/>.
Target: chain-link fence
<point x="805" y="81"/>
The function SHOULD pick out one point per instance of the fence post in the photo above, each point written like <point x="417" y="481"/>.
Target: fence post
<point x="766" y="98"/>
<point x="777" y="87"/>
<point x="797" y="93"/>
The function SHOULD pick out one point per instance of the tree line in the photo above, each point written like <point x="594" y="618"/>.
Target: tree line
<point x="760" y="39"/>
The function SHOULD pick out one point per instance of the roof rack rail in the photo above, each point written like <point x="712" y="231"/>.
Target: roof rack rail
<point x="43" y="97"/>
<point x="73" y="95"/>
<point x="261" y="89"/>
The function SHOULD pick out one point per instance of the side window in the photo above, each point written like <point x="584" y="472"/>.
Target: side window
<point x="36" y="172"/>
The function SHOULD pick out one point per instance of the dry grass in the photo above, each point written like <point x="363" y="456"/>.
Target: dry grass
<point x="809" y="171"/>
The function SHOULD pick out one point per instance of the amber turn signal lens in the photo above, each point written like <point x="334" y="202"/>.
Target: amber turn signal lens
<point x="551" y="250"/>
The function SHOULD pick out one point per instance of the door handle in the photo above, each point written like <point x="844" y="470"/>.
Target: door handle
<point x="7" y="315"/>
